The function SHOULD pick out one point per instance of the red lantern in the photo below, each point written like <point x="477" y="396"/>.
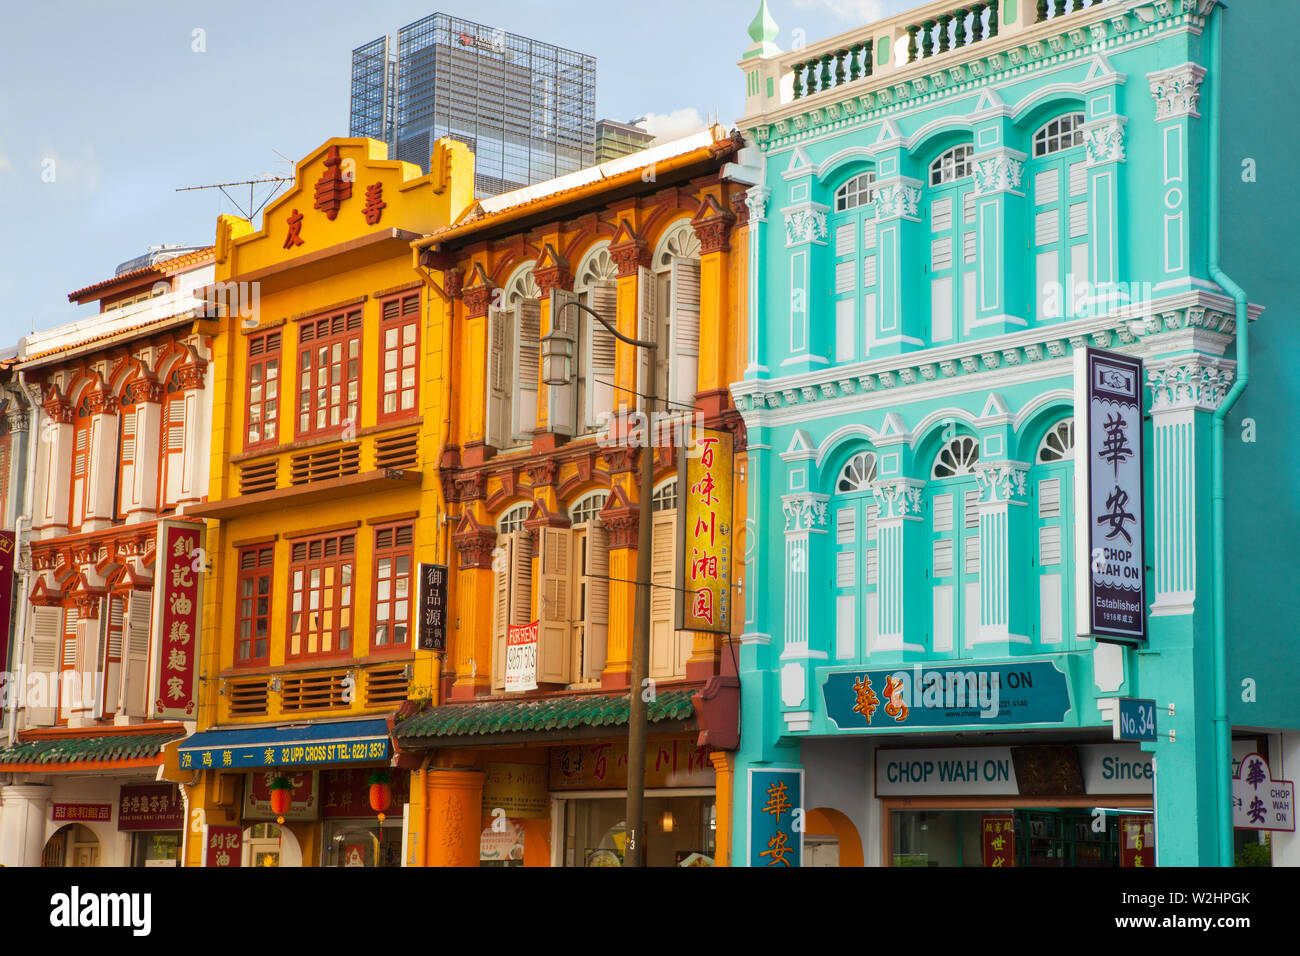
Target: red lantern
<point x="381" y="793"/>
<point x="281" y="798"/>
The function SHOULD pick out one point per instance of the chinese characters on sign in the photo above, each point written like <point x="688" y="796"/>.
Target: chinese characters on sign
<point x="304" y="801"/>
<point x="1258" y="801"/>
<point x="154" y="806"/>
<point x="98" y="812"/>
<point x="775" y="806"/>
<point x="1137" y="841"/>
<point x="368" y="750"/>
<point x="998" y="837"/>
<point x="222" y="846"/>
<point x="672" y="762"/>
<point x="432" y="626"/>
<point x="347" y="792"/>
<point x="521" y="657"/>
<point x="1110" y="509"/>
<point x="703" y="598"/>
<point x="517" y="788"/>
<point x="178" y="600"/>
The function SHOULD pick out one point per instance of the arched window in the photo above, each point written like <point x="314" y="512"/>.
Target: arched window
<point x="1058" y="443"/>
<point x="597" y="288"/>
<point x="1051" y="483"/>
<point x="587" y="509"/>
<point x="1058" y="185"/>
<point x="950" y="218"/>
<point x="677" y="315"/>
<point x="952" y="504"/>
<point x="953" y="165"/>
<point x="665" y="497"/>
<point x="858" y="191"/>
<point x="854" y="510"/>
<point x="1064" y="132"/>
<point x="514" y="355"/>
<point x="853" y="229"/>
<point x="513" y="520"/>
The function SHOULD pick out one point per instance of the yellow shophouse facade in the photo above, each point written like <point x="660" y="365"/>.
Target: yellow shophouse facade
<point x="328" y="416"/>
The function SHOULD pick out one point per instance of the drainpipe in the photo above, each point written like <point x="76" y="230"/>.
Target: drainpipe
<point x="1222" y="731"/>
<point x="21" y="592"/>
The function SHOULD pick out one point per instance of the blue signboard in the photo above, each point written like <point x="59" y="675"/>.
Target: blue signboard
<point x="775" y="817"/>
<point x="1135" y="719"/>
<point x="355" y="741"/>
<point x="979" y="695"/>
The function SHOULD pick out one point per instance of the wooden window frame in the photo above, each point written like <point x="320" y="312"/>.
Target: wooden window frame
<point x="339" y="328"/>
<point x="399" y="313"/>
<point x="263" y="568"/>
<point x="172" y="392"/>
<point x="301" y="565"/>
<point x="270" y="345"/>
<point x="83" y="422"/>
<point x="393" y="550"/>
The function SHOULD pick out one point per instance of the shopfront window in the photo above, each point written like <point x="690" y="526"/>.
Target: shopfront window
<point x="263" y="845"/>
<point x="680" y="830"/>
<point x="1055" y="837"/>
<point x="363" y="843"/>
<point x="156" y="849"/>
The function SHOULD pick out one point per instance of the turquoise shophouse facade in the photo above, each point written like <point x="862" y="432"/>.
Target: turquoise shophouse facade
<point x="956" y="204"/>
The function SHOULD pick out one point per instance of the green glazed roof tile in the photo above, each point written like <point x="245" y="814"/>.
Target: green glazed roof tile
<point x="64" y="750"/>
<point x="553" y="713"/>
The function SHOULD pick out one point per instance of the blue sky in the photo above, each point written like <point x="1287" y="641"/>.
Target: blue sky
<point x="115" y="100"/>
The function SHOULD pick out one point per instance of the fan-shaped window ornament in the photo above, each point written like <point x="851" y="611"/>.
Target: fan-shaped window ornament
<point x="598" y="265"/>
<point x="958" y="457"/>
<point x="587" y="509"/>
<point x="665" y="497"/>
<point x="513" y="520"/>
<point x="858" y="191"/>
<point x="857" y="474"/>
<point x="953" y="165"/>
<point x="1058" y="443"/>
<point x="679" y="242"/>
<point x="1064" y="132"/>
<point x="521" y="286"/>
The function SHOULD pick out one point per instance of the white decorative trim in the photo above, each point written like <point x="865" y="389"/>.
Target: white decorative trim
<point x="756" y="198"/>
<point x="998" y="171"/>
<point x="1002" y="481"/>
<point x="1189" y="381"/>
<point x="805" y="511"/>
<point x="1103" y="140"/>
<point x="1176" y="90"/>
<point x="898" y="198"/>
<point x="805" y="222"/>
<point x="898" y="498"/>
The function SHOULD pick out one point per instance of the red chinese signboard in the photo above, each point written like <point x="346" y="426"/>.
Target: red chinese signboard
<point x="178" y="600"/>
<point x="154" y="806"/>
<point x="998" y="837"/>
<point x="73" y="812"/>
<point x="223" y="846"/>
<point x="304" y="799"/>
<point x="704" y="571"/>
<point x="675" y="762"/>
<point x="7" y="549"/>
<point x="347" y="792"/>
<point x="1137" y="841"/>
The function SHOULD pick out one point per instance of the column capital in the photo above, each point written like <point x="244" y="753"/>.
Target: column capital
<point x="898" y="498"/>
<point x="475" y="542"/>
<point x="756" y="198"/>
<point x="1176" y="90"/>
<point x="805" y="223"/>
<point x="1103" y="140"/>
<point x="1002" y="481"/>
<point x="805" y="511"/>
<point x="1189" y="381"/>
<point x="1000" y="170"/>
<point x="898" y="197"/>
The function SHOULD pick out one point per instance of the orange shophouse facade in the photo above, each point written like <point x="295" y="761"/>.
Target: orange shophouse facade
<point x="542" y="494"/>
<point x="119" y="450"/>
<point x="328" y="407"/>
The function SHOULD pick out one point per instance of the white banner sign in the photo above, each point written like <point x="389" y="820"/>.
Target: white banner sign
<point x="1109" y="505"/>
<point x="1258" y="801"/>
<point x="971" y="770"/>
<point x="1116" y="768"/>
<point x="521" y="657"/>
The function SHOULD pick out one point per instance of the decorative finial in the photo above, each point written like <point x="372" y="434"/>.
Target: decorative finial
<point x="763" y="31"/>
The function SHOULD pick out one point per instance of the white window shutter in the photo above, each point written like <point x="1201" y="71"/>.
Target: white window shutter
<point x="498" y="384"/>
<point x="553" y="614"/>
<point x="663" y="635"/>
<point x="135" y="656"/>
<point x="527" y="359"/>
<point x="562" y="400"/>
<point x="600" y="383"/>
<point x="597" y="624"/>
<point x="501" y="575"/>
<point x="645" y="330"/>
<point x="43" y="662"/>
<point x="126" y="494"/>
<point x="685" y="319"/>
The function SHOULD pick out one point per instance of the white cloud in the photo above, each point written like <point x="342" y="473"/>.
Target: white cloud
<point x="666" y="127"/>
<point x="855" y="11"/>
<point x="5" y="165"/>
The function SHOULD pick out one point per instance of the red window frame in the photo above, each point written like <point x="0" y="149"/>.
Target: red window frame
<point x="329" y="373"/>
<point x="399" y="360"/>
<point x="321" y="592"/>
<point x="253" y="596"/>
<point x="262" y="389"/>
<point x="394" y="596"/>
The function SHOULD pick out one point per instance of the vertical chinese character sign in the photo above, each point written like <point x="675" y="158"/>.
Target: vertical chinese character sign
<point x="223" y="846"/>
<point x="1109" y="502"/>
<point x="775" y="817"/>
<point x="1137" y="841"/>
<point x="432" y="625"/>
<point x="703" y="598"/>
<point x="177" y="611"/>
<point x="998" y="840"/>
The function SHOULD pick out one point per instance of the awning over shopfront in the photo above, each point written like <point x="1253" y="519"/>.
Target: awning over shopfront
<point x="538" y="719"/>
<point x="287" y="745"/>
<point x="69" y="752"/>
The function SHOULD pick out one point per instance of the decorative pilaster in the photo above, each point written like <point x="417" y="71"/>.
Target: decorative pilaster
<point x="471" y="614"/>
<point x="805" y="516"/>
<point x="756" y="199"/>
<point x="900" y="322"/>
<point x="101" y="473"/>
<point x="477" y="295"/>
<point x="998" y="196"/>
<point x="805" y="232"/>
<point x="1003" y="526"/>
<point x="1175" y="92"/>
<point x="899" y="525"/>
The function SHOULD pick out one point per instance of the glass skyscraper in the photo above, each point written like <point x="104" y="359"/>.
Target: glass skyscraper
<point x="527" y="109"/>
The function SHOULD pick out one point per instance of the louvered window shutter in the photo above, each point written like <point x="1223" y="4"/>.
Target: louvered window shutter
<point x="645" y="331"/>
<point x="528" y="322"/>
<point x="664" y="650"/>
<point x="501" y="573"/>
<point x="498" y="386"/>
<point x="685" y="319"/>
<point x="553" y="664"/>
<point x="562" y="400"/>
<point x="600" y="383"/>
<point x="597" y="623"/>
<point x="44" y="663"/>
<point x="135" y="663"/>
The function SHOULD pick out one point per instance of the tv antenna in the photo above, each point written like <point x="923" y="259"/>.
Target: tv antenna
<point x="253" y="210"/>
